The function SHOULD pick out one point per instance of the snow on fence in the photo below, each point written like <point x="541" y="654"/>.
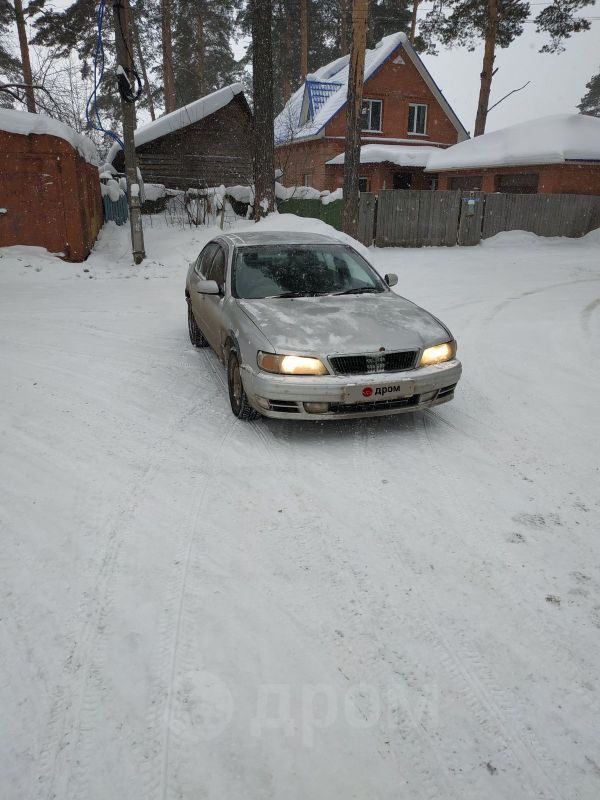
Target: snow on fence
<point x="407" y="218"/>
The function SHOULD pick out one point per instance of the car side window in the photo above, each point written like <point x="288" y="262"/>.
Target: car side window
<point x="216" y="270"/>
<point x="203" y="262"/>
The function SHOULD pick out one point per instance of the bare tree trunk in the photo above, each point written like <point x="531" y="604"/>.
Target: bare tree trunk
<point x="140" y="52"/>
<point x="262" y="81"/>
<point x="287" y="60"/>
<point x="200" y="52"/>
<point x="360" y="10"/>
<point x="343" y="9"/>
<point x="167" y="53"/>
<point x="303" y="40"/>
<point x="413" y="21"/>
<point x="487" y="70"/>
<point x="25" y="62"/>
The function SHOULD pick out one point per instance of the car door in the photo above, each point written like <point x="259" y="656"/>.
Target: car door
<point x="215" y="304"/>
<point x="200" y="273"/>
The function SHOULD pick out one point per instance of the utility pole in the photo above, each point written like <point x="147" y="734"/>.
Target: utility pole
<point x="124" y="46"/>
<point x="360" y="11"/>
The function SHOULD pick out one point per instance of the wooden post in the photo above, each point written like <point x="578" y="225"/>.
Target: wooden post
<point x="360" y="11"/>
<point x="124" y="47"/>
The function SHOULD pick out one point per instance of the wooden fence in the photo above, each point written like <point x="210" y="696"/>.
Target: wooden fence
<point x="407" y="218"/>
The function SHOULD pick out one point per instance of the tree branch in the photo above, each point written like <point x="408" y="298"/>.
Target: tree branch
<point x="508" y="95"/>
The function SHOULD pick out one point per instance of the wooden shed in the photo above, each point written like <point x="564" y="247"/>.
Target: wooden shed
<point x="49" y="186"/>
<point x="206" y="143"/>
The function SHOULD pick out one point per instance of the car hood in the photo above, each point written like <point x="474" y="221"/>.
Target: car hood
<point x="345" y="324"/>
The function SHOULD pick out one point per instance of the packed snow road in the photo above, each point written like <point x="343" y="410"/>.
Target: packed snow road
<point x="401" y="608"/>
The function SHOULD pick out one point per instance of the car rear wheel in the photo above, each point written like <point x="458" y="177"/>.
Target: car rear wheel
<point x="197" y="338"/>
<point x="237" y="396"/>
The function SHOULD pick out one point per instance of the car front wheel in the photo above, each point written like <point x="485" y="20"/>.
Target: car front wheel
<point x="237" y="396"/>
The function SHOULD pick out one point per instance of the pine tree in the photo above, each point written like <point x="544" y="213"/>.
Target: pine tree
<point x="590" y="102"/>
<point x="202" y="57"/>
<point x="498" y="23"/>
<point x="14" y="12"/>
<point x="262" y="78"/>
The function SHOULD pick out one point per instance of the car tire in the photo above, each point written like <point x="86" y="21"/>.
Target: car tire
<point x="237" y="396"/>
<point x="197" y="338"/>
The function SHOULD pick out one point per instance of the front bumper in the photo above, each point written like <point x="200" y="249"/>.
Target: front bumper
<point x="284" y="397"/>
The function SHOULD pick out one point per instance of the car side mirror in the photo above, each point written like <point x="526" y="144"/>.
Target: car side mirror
<point x="391" y="279"/>
<point x="207" y="287"/>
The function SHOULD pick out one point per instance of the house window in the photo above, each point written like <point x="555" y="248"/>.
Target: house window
<point x="417" y="118"/>
<point x="433" y="182"/>
<point x="521" y="183"/>
<point x="467" y="183"/>
<point x="371" y="115"/>
<point x="363" y="184"/>
<point x="307" y="179"/>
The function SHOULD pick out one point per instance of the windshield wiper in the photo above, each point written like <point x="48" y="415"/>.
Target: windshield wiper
<point x="295" y="294"/>
<point x="360" y="290"/>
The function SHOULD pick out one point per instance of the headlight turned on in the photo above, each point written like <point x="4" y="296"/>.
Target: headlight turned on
<point x="438" y="354"/>
<point x="290" y="365"/>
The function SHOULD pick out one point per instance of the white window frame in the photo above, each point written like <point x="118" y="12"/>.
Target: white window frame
<point x="307" y="179"/>
<point x="416" y="106"/>
<point x="369" y="129"/>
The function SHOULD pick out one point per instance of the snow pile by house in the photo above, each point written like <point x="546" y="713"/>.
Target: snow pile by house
<point x="417" y="156"/>
<point x="186" y="115"/>
<point x="27" y="124"/>
<point x="546" y="140"/>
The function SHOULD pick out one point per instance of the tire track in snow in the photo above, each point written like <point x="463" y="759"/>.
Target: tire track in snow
<point x="493" y="698"/>
<point x="68" y="699"/>
<point x="460" y="663"/>
<point x="178" y="662"/>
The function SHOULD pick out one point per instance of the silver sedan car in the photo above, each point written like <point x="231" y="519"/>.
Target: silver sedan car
<point x="307" y="329"/>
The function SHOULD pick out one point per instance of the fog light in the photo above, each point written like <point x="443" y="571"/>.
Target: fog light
<point x="316" y="408"/>
<point x="262" y="402"/>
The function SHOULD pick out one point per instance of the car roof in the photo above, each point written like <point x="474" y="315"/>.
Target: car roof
<point x="277" y="237"/>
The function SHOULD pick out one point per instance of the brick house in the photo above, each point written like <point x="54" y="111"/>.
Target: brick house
<point x="205" y="143"/>
<point x="403" y="110"/>
<point x="559" y="154"/>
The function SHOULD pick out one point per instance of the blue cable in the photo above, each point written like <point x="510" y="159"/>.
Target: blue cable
<point x="99" y="57"/>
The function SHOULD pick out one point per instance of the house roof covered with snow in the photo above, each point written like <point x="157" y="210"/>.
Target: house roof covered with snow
<point x="182" y="117"/>
<point x="26" y="124"/>
<point x="408" y="156"/>
<point x="547" y="140"/>
<point x="318" y="100"/>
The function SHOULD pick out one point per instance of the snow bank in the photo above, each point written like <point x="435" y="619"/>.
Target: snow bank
<point x="409" y="156"/>
<point x="154" y="191"/>
<point x="112" y="189"/>
<point x="26" y="124"/>
<point x="337" y="194"/>
<point x="547" y="140"/>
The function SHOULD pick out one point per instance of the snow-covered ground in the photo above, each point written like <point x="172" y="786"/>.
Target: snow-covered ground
<point x="396" y="609"/>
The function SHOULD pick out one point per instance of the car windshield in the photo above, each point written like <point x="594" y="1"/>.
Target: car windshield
<point x="301" y="271"/>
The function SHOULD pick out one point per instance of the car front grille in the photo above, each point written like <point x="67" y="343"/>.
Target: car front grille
<point x="369" y="363"/>
<point x="380" y="405"/>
